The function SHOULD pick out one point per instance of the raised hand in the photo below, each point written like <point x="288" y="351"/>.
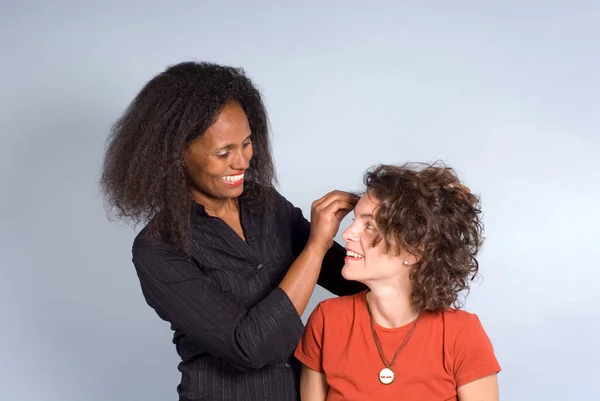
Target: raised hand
<point x="327" y="214"/>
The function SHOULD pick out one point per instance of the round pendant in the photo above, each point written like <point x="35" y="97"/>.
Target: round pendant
<point x="386" y="376"/>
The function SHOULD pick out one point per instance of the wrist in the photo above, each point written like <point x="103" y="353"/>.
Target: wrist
<point x="316" y="249"/>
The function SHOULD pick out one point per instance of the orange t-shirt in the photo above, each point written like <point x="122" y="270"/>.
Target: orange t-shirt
<point x="446" y="350"/>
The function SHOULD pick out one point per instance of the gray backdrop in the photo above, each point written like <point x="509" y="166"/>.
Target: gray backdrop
<point x="507" y="92"/>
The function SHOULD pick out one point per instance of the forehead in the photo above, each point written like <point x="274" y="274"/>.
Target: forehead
<point x="230" y="127"/>
<point x="366" y="205"/>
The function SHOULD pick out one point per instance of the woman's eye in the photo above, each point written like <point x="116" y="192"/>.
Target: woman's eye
<point x="247" y="144"/>
<point x="222" y="155"/>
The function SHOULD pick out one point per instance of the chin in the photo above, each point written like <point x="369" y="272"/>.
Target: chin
<point x="351" y="273"/>
<point x="238" y="190"/>
<point x="234" y="192"/>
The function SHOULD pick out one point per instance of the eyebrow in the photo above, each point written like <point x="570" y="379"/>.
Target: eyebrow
<point x="365" y="215"/>
<point x="231" y="145"/>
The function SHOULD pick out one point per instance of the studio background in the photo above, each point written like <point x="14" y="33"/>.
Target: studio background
<point x="506" y="92"/>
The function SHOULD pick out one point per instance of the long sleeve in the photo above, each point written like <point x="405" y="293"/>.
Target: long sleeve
<point x="181" y="293"/>
<point x="330" y="276"/>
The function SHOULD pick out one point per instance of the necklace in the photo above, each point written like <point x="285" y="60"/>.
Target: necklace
<point x="386" y="375"/>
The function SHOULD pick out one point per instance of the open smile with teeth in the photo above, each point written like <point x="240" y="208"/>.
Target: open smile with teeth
<point x="353" y="254"/>
<point x="234" y="179"/>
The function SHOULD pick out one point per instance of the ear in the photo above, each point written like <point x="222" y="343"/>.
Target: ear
<point x="408" y="259"/>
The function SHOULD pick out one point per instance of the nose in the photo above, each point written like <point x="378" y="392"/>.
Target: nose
<point x="241" y="161"/>
<point x="349" y="234"/>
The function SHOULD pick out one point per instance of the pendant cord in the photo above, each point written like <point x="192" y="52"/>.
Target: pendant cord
<point x="378" y="345"/>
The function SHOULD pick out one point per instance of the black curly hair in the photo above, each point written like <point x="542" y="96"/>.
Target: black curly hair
<point x="144" y="177"/>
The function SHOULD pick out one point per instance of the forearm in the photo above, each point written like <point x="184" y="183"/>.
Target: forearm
<point x="301" y="278"/>
<point x="311" y="242"/>
<point x="269" y="332"/>
<point x="181" y="294"/>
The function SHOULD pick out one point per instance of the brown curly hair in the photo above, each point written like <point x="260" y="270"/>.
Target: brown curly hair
<point x="425" y="210"/>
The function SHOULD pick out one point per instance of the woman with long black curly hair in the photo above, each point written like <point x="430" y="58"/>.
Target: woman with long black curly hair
<point x="223" y="257"/>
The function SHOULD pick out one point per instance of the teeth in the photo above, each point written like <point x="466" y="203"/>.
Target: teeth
<point x="353" y="254"/>
<point x="233" y="178"/>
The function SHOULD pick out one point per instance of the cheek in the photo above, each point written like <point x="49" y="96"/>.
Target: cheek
<point x="375" y="254"/>
<point x="210" y="166"/>
<point x="366" y="242"/>
<point x="216" y="168"/>
<point x="204" y="171"/>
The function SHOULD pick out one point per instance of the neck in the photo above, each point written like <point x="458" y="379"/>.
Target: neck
<point x="217" y="207"/>
<point x="390" y="304"/>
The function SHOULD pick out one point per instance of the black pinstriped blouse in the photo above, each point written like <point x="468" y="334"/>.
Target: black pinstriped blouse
<point x="235" y="329"/>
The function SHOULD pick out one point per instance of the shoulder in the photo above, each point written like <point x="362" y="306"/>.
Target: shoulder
<point x="159" y="258"/>
<point x="264" y="197"/>
<point x="339" y="304"/>
<point x="453" y="322"/>
<point x="462" y="327"/>
<point x="457" y="318"/>
<point x="278" y="199"/>
<point x="144" y="242"/>
<point x="273" y="205"/>
<point x="330" y="315"/>
<point x="340" y="308"/>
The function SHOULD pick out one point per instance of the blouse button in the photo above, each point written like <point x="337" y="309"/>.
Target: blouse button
<point x="259" y="267"/>
<point x="287" y="365"/>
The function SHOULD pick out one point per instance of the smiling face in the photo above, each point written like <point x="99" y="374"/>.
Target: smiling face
<point x="364" y="262"/>
<point x="217" y="159"/>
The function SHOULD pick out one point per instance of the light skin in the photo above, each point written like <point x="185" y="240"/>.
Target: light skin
<point x="387" y="276"/>
<point x="215" y="163"/>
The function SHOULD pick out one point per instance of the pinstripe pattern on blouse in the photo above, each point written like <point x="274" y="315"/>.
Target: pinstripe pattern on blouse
<point x="234" y="328"/>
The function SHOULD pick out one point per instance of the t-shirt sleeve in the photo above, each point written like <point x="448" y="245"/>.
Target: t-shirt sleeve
<point x="474" y="356"/>
<point x="310" y="347"/>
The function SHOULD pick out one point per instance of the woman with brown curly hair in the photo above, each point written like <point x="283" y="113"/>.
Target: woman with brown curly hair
<point x="413" y="242"/>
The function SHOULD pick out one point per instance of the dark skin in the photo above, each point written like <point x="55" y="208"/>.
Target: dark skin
<point x="222" y="152"/>
<point x="215" y="163"/>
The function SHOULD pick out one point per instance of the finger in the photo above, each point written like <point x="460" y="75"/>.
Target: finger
<point x="344" y="194"/>
<point x="319" y="201"/>
<point x="340" y="214"/>
<point x="334" y="196"/>
<point x="337" y="206"/>
<point x="331" y="205"/>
